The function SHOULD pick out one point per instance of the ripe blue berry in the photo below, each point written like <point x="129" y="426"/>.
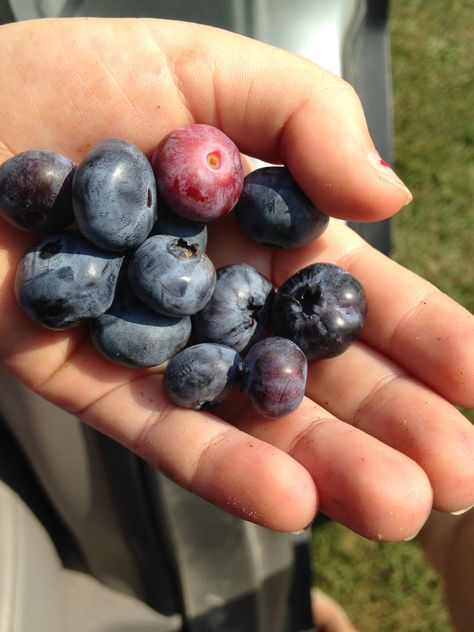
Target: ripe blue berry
<point x="202" y="376"/>
<point x="322" y="308"/>
<point x="274" y="210"/>
<point x="65" y="279"/>
<point x="172" y="276"/>
<point x="132" y="334"/>
<point x="239" y="310"/>
<point x="114" y="196"/>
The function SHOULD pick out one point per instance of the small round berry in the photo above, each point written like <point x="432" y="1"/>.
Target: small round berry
<point x="114" y="195"/>
<point x="202" y="376"/>
<point x="274" y="376"/>
<point x="199" y="172"/>
<point x="322" y="308"/>
<point x="171" y="275"/>
<point x="36" y="191"/>
<point x="274" y="210"/>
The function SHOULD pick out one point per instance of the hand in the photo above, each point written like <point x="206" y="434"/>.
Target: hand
<point x="376" y="442"/>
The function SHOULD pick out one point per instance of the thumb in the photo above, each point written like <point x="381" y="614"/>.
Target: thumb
<point x="284" y="109"/>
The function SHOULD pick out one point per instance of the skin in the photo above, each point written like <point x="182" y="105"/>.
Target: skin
<point x="376" y="442"/>
<point x="448" y="544"/>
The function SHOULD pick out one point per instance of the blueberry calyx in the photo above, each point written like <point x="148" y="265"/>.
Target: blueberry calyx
<point x="50" y="249"/>
<point x="183" y="249"/>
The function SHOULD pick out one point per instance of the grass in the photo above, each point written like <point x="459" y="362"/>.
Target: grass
<point x="390" y="587"/>
<point x="383" y="587"/>
<point x="432" y="51"/>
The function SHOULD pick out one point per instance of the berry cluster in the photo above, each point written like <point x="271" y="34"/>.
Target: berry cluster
<point x="124" y="251"/>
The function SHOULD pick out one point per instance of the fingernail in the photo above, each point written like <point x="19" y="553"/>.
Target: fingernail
<point x="461" y="511"/>
<point x="300" y="531"/>
<point x="411" y="537"/>
<point x="387" y="174"/>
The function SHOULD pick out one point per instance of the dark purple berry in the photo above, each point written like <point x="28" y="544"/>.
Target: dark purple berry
<point x="114" y="194"/>
<point x="36" y="191"/>
<point x="322" y="308"/>
<point x="239" y="310"/>
<point x="274" y="210"/>
<point x="199" y="172"/>
<point x="202" y="376"/>
<point x="274" y="376"/>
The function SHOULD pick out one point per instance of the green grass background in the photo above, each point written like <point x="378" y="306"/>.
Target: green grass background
<point x="390" y="587"/>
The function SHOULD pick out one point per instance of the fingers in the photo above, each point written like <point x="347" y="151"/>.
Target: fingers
<point x="368" y="486"/>
<point x="362" y="483"/>
<point x="244" y="476"/>
<point x="364" y="389"/>
<point x="328" y="613"/>
<point x="409" y="320"/>
<point x="274" y="105"/>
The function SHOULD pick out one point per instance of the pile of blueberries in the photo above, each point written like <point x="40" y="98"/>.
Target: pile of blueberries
<point x="123" y="250"/>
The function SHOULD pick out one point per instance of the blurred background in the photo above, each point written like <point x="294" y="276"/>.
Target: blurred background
<point x="390" y="587"/>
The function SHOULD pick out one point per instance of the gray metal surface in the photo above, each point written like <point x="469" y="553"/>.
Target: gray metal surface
<point x="315" y="29"/>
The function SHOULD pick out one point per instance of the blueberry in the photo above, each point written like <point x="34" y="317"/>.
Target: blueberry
<point x="274" y="376"/>
<point x="65" y="279"/>
<point x="322" y="308"/>
<point x="239" y="309"/>
<point x="114" y="196"/>
<point x="168" y="223"/>
<point x="202" y="376"/>
<point x="36" y="191"/>
<point x="172" y="276"/>
<point x="198" y="171"/>
<point x="132" y="334"/>
<point x="274" y="210"/>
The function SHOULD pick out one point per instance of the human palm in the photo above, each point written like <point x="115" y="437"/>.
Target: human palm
<point x="376" y="442"/>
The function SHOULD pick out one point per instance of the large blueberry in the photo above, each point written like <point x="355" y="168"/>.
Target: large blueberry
<point x="274" y="210"/>
<point x="36" y="191"/>
<point x="322" y="308"/>
<point x="132" y="334"/>
<point x="65" y="279"/>
<point x="239" y="309"/>
<point x="114" y="196"/>
<point x="202" y="376"/>
<point x="274" y="376"/>
<point x="172" y="276"/>
<point x="169" y="223"/>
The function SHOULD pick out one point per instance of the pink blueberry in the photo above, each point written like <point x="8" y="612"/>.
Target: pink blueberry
<point x="199" y="172"/>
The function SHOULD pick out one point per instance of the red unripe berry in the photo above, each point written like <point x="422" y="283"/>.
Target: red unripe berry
<point x="198" y="172"/>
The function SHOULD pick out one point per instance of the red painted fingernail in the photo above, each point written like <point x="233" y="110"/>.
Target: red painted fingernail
<point x="387" y="174"/>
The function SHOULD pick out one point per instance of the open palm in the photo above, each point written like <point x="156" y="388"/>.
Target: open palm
<point x="376" y="442"/>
